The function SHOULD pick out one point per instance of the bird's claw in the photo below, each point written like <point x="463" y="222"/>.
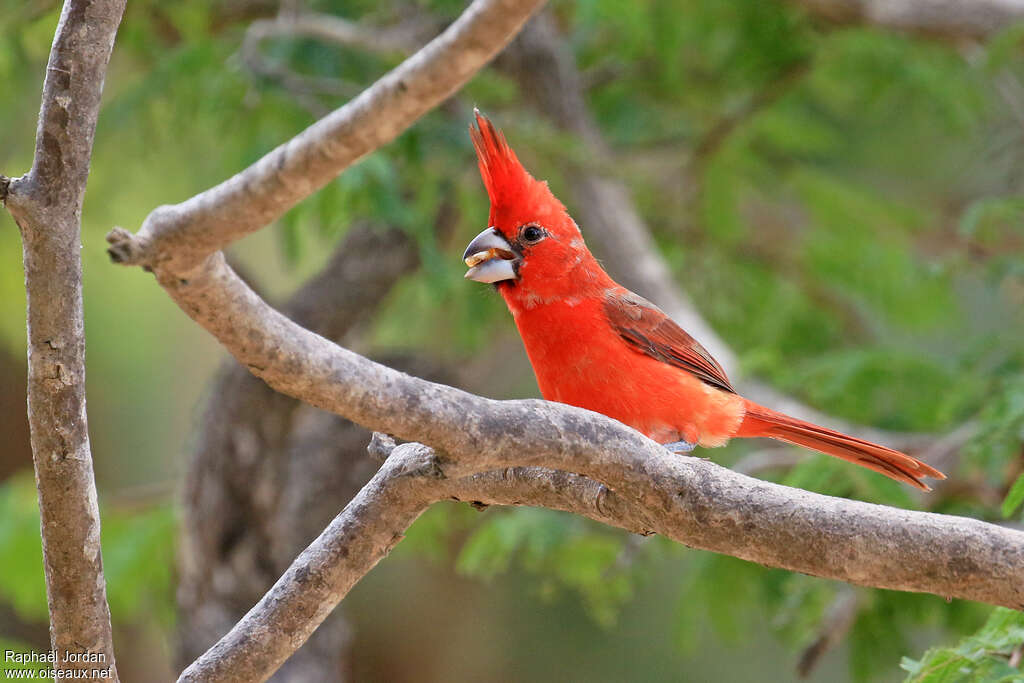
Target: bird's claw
<point x="679" y="447"/>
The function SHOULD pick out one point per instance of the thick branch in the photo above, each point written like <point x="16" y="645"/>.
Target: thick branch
<point x="952" y="19"/>
<point x="321" y="576"/>
<point x="46" y="204"/>
<point x="177" y="238"/>
<point x="414" y="476"/>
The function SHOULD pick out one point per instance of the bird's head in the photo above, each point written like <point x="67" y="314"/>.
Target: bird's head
<point x="532" y="249"/>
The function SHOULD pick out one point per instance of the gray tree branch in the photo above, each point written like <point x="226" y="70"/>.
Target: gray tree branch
<point x="401" y="39"/>
<point x="177" y="238"/>
<point x="949" y="19"/>
<point x="46" y="203"/>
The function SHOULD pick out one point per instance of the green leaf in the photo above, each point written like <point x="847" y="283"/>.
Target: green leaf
<point x="1014" y="497"/>
<point x="980" y="658"/>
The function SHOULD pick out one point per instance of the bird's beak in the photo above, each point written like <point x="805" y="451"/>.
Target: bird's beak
<point x="490" y="258"/>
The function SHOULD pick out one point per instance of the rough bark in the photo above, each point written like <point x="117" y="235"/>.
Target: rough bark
<point x="400" y="39"/>
<point x="46" y="203"/>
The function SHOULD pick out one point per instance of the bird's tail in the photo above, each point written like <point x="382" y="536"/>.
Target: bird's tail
<point x="761" y="421"/>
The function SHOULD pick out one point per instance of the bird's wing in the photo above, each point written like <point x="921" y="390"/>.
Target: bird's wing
<point x="646" y="328"/>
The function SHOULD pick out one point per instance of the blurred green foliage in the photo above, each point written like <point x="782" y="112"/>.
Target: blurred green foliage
<point x="23" y="587"/>
<point x="856" y="236"/>
<point x="984" y="656"/>
<point x="138" y="557"/>
<point x="561" y="551"/>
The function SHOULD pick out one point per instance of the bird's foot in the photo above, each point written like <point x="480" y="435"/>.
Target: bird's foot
<point x="679" y="447"/>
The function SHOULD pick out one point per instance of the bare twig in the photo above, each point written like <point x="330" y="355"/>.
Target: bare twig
<point x="306" y="89"/>
<point x="401" y="39"/>
<point x="46" y="203"/>
<point x="380" y="446"/>
<point x="974" y="20"/>
<point x="177" y="238"/>
<point x="834" y="627"/>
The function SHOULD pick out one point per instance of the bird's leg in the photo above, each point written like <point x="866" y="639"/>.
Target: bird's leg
<point x="679" y="447"/>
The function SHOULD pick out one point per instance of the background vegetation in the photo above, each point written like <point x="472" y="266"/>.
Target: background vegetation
<point x="856" y="235"/>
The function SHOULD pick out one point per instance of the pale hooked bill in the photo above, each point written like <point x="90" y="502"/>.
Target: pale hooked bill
<point x="490" y="258"/>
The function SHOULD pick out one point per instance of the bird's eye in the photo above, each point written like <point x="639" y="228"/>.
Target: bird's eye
<point x="532" y="234"/>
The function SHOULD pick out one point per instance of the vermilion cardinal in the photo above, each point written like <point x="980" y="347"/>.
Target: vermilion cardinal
<point x="595" y="344"/>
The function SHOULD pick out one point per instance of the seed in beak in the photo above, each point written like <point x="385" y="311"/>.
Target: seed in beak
<point x="486" y="255"/>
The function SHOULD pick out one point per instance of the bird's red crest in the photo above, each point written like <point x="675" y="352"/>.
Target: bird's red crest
<point x="506" y="180"/>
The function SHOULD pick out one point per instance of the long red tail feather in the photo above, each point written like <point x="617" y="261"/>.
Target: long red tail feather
<point x="761" y="421"/>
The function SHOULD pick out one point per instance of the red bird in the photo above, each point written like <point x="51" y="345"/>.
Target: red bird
<point x="596" y="345"/>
